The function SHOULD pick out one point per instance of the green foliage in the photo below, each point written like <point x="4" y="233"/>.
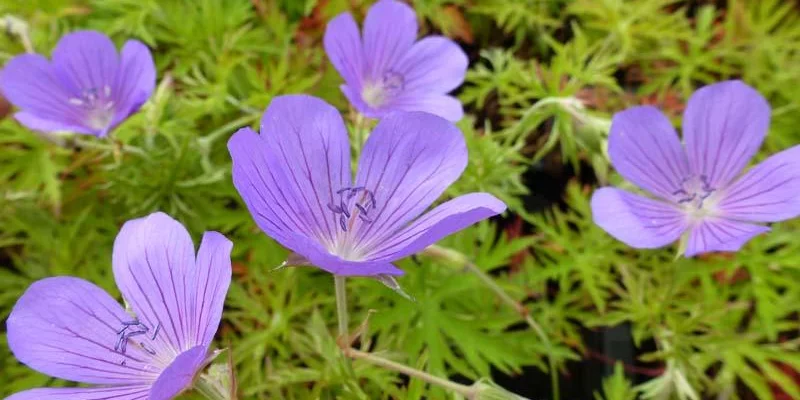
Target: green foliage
<point x="545" y="79"/>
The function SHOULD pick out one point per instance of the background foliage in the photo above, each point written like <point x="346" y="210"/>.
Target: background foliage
<point x="544" y="79"/>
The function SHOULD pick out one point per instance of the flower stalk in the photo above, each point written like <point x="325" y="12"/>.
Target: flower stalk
<point x="341" y="308"/>
<point x="456" y="258"/>
<point x="469" y="392"/>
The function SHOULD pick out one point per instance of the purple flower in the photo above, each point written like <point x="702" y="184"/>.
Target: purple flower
<point x="71" y="329"/>
<point x="296" y="180"/>
<point x="698" y="186"/>
<point x="385" y="70"/>
<point x="88" y="88"/>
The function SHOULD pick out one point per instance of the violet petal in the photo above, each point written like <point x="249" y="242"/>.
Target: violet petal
<point x="769" y="192"/>
<point x="179" y="375"/>
<point x="390" y="30"/>
<point x="136" y="79"/>
<point x="86" y="60"/>
<point x="638" y="221"/>
<point x="446" y="219"/>
<point x="67" y="327"/>
<point x="407" y="163"/>
<point x="434" y="64"/>
<point x="645" y="149"/>
<point x="30" y="82"/>
<point x="322" y="258"/>
<point x="719" y="234"/>
<point x="132" y="392"/>
<point x="723" y="127"/>
<point x="151" y="262"/>
<point x="208" y="283"/>
<point x="445" y="106"/>
<point x="343" y="45"/>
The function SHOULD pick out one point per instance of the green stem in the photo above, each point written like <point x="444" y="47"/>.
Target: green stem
<point x="341" y="308"/>
<point x="470" y="392"/>
<point x="453" y="255"/>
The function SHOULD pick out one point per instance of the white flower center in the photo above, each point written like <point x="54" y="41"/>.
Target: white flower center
<point x="378" y="91"/>
<point x="697" y="197"/>
<point x="354" y="204"/>
<point x="98" y="105"/>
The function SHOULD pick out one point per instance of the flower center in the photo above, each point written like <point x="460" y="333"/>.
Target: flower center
<point x="377" y="92"/>
<point x="131" y="329"/>
<point x="694" y="194"/>
<point x="354" y="203"/>
<point x="97" y="104"/>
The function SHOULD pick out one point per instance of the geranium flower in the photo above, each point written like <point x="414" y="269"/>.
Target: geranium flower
<point x="88" y="88"/>
<point x="71" y="329"/>
<point x="296" y="180"/>
<point x="698" y="187"/>
<point x="385" y="70"/>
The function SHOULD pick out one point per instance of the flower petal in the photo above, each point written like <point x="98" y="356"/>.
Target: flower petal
<point x="446" y="219"/>
<point x="210" y="280"/>
<point x="447" y="107"/>
<point x="322" y="258"/>
<point x="265" y="189"/>
<point x="719" y="234"/>
<point x="151" y="262"/>
<point x="435" y="64"/>
<point x="33" y="122"/>
<point x="723" y="127"/>
<point x="637" y="221"/>
<point x="390" y="29"/>
<point x="86" y="60"/>
<point x="769" y="192"/>
<point x="133" y="392"/>
<point x="343" y="45"/>
<point x="645" y="149"/>
<point x="179" y="375"/>
<point x="407" y="162"/>
<point x="67" y="327"/>
<point x="29" y="82"/>
<point x="136" y="79"/>
<point x="290" y="173"/>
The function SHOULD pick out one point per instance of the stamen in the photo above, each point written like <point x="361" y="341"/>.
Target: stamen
<point x="344" y="210"/>
<point x="347" y="215"/>
<point x="392" y="81"/>
<point x="127" y="332"/>
<point x="147" y="349"/>
<point x="694" y="190"/>
<point x="335" y="209"/>
<point x="158" y="327"/>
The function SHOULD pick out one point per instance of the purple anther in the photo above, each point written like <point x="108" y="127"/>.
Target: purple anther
<point x="344" y="209"/>
<point x="343" y="223"/>
<point x="158" y="327"/>
<point x="361" y="208"/>
<point x="335" y="209"/>
<point x="364" y="218"/>
<point x="147" y="349"/>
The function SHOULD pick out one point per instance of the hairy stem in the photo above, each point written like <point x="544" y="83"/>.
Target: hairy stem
<point x="461" y="259"/>
<point x="470" y="392"/>
<point x="341" y="307"/>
